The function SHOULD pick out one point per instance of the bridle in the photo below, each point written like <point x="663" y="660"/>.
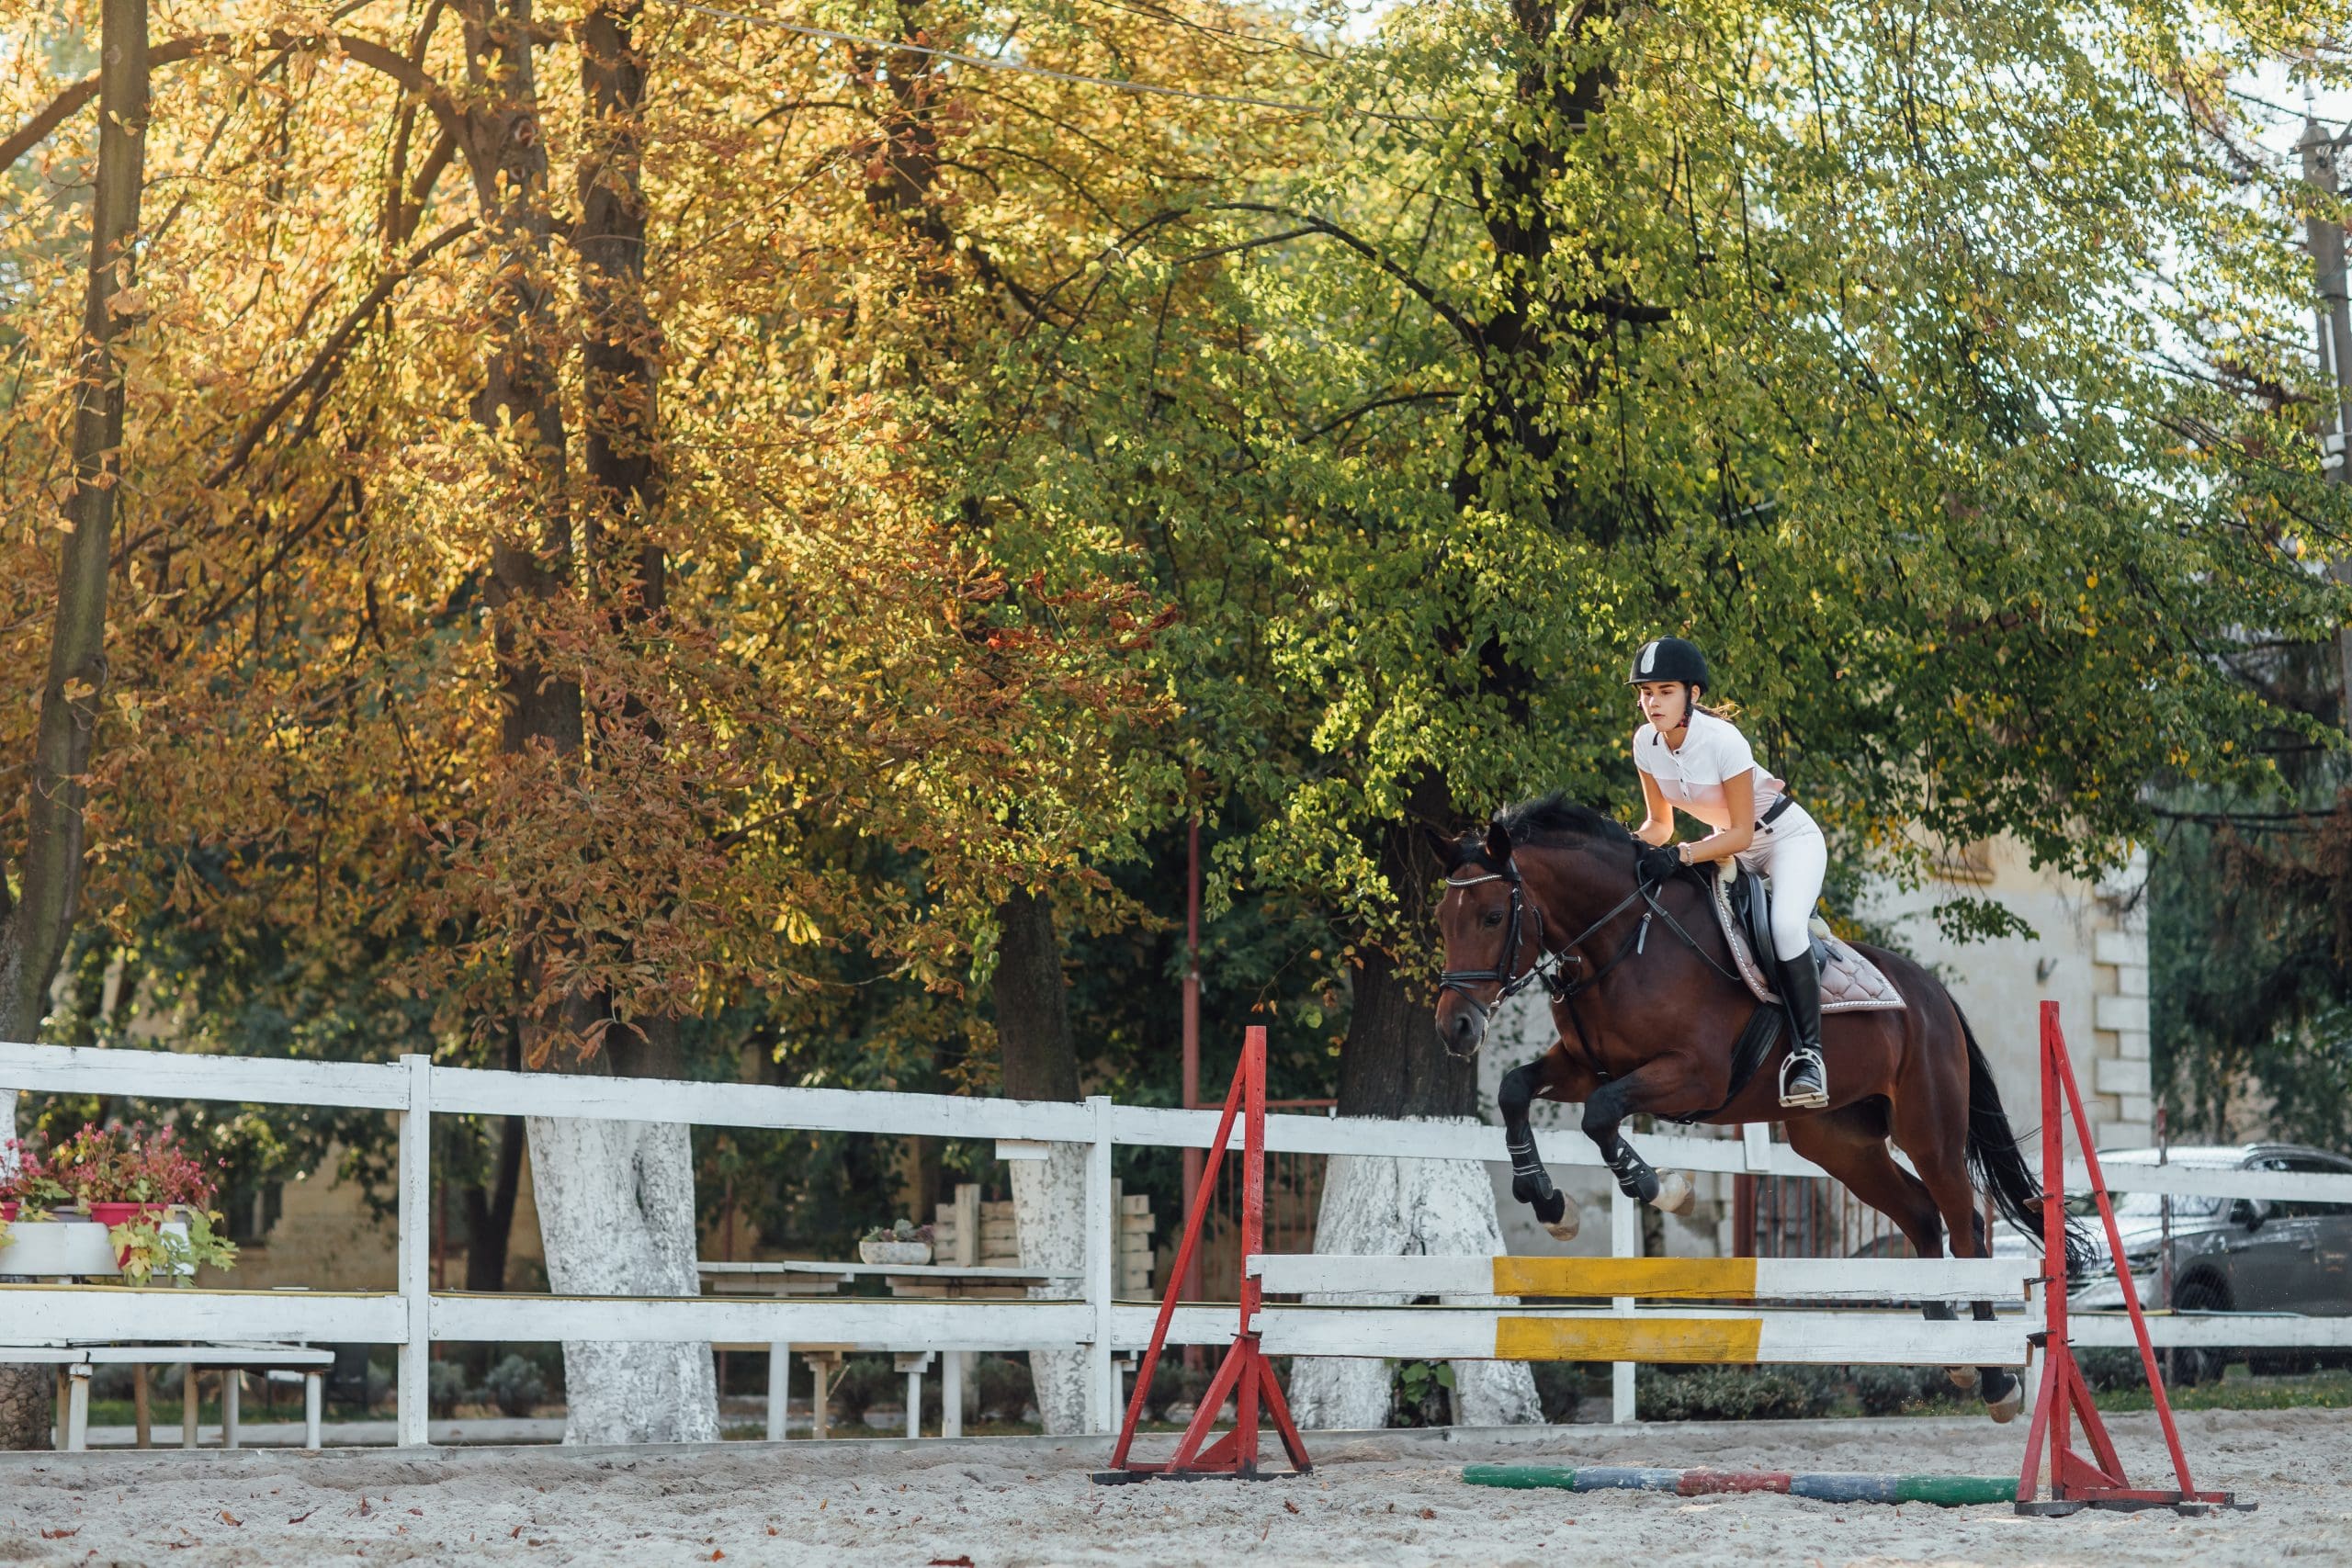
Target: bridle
<point x="1545" y="966"/>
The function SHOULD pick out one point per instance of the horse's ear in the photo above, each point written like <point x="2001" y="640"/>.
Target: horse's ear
<point x="1497" y="844"/>
<point x="1448" y="852"/>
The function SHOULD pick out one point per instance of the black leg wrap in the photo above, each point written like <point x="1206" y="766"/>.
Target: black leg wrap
<point x="1634" y="1176"/>
<point x="1530" y="1182"/>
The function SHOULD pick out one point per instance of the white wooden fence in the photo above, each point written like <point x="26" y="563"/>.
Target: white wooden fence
<point x="413" y="1315"/>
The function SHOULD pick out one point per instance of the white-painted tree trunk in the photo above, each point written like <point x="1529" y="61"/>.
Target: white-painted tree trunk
<point x="1375" y="1207"/>
<point x="1049" y="1213"/>
<point x="616" y="1214"/>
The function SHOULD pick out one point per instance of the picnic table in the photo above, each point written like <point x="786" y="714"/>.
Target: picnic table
<point x="936" y="1281"/>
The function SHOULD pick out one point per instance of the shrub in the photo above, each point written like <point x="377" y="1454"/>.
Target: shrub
<point x="1734" y="1393"/>
<point x="1174" y="1384"/>
<point x="1889" y="1391"/>
<point x="445" y="1387"/>
<point x="863" y="1382"/>
<point x="1561" y="1385"/>
<point x="515" y="1385"/>
<point x="1422" y="1394"/>
<point x="1002" y="1387"/>
<point x="2109" y="1369"/>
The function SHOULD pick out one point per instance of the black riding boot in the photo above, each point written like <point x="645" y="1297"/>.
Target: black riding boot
<point x="1805" y="1083"/>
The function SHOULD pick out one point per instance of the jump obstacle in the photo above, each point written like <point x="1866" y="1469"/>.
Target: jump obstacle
<point x="1695" y="1334"/>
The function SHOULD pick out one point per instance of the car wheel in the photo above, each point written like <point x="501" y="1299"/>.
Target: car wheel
<point x="2199" y="1293"/>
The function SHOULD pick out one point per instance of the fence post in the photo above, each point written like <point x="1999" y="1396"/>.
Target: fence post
<point x="415" y="1248"/>
<point x="1624" y="1241"/>
<point x="1102" y="1257"/>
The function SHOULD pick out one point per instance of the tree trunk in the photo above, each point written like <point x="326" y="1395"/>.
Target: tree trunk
<point x="33" y="931"/>
<point x="490" y="1212"/>
<point x="1048" y="1195"/>
<point x="1391" y="1066"/>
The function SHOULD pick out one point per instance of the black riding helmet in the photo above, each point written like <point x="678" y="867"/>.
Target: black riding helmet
<point x="1669" y="658"/>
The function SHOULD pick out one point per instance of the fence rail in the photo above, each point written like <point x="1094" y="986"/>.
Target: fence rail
<point x="413" y="1317"/>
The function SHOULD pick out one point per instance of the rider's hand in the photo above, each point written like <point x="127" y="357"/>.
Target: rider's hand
<point x="1656" y="864"/>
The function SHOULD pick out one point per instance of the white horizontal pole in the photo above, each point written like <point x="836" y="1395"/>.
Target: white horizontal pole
<point x="2205" y="1182"/>
<point x="1688" y="1338"/>
<point x="481" y="1092"/>
<point x="927" y="1324"/>
<point x="1656" y="1279"/>
<point x="2218" y="1332"/>
<point x="67" y="1312"/>
<point x="172" y="1075"/>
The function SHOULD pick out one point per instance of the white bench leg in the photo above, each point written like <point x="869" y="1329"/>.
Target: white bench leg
<point x="951" y="1394"/>
<point x="779" y="1383"/>
<point x="315" y="1405"/>
<point x="187" y="1407"/>
<point x="77" y="1407"/>
<point x="914" y="1402"/>
<point x="232" y="1388"/>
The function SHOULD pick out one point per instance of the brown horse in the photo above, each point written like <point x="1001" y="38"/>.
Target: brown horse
<point x="1648" y="1010"/>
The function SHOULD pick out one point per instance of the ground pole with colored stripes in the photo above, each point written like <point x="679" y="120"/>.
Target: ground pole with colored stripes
<point x="1829" y="1486"/>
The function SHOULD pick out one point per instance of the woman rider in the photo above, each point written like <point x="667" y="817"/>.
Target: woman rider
<point x="1696" y="760"/>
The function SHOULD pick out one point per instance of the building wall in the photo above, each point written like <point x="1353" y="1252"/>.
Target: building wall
<point x="2090" y="954"/>
<point x="326" y="1239"/>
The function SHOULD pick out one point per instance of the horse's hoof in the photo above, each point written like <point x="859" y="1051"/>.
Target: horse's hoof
<point x="1674" y="1194"/>
<point x="1565" y="1228"/>
<point x="1964" y="1378"/>
<point x="2005" y="1409"/>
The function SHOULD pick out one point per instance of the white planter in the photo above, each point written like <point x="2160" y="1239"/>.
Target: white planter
<point x="899" y="1252"/>
<point x="52" y="1248"/>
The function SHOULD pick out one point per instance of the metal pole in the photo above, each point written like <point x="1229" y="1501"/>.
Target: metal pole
<point x="2324" y="237"/>
<point x="2163" y="1245"/>
<point x="1192" y="1043"/>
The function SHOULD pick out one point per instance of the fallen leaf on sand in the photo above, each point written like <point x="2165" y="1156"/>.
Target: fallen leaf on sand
<point x="61" y="1535"/>
<point x="418" y="1512"/>
<point x="1291" y="1506"/>
<point x="951" y="1562"/>
<point x="515" y="1532"/>
<point x="716" y="1556"/>
<point x="771" y="1530"/>
<point x="1429" y="1513"/>
<point x="364" y="1509"/>
<point x="229" y="1518"/>
<point x="300" y="1518"/>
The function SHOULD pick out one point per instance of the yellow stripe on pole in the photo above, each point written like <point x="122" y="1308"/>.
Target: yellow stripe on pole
<point x="1684" y="1339"/>
<point x="1687" y="1278"/>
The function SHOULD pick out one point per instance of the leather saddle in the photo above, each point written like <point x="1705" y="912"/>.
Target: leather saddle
<point x="1849" y="982"/>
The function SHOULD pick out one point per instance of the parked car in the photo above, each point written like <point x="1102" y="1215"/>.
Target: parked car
<point x="2228" y="1253"/>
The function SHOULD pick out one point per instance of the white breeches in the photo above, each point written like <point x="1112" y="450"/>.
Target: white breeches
<point x="1792" y="852"/>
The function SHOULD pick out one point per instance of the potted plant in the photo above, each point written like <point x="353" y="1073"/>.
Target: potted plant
<point x="28" y="1191"/>
<point x="901" y="1243"/>
<point x="151" y="1193"/>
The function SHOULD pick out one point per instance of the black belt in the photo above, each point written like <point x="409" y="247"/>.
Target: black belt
<point x="1777" y="807"/>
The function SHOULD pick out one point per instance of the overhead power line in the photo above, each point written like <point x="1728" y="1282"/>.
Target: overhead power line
<point x="983" y="63"/>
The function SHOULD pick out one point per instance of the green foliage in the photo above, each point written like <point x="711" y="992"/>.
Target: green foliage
<point x="1736" y="1394"/>
<point x="1422" y="1394"/>
<point x="515" y="1385"/>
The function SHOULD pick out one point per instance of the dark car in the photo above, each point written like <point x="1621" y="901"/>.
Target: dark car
<point x="2228" y="1253"/>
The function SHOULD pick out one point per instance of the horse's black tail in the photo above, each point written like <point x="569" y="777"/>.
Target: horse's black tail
<point x="1999" y="1165"/>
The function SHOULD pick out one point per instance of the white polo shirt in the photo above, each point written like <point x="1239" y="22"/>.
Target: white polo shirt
<point x="1692" y="777"/>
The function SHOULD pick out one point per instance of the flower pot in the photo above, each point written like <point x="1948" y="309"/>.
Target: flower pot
<point x="8" y="1210"/>
<point x="123" y="1213"/>
<point x="899" y="1252"/>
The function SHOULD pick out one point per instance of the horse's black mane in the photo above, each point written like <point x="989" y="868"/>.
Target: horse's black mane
<point x="1551" y="817"/>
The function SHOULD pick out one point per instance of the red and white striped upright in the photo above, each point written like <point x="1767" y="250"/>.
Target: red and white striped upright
<point x="1245" y="1376"/>
<point x="2076" y="1481"/>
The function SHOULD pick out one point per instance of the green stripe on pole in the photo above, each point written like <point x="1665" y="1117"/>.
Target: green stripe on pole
<point x="1519" y="1477"/>
<point x="1956" y="1490"/>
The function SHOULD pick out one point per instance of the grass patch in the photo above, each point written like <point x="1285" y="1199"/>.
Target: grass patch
<point x="2240" y="1389"/>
